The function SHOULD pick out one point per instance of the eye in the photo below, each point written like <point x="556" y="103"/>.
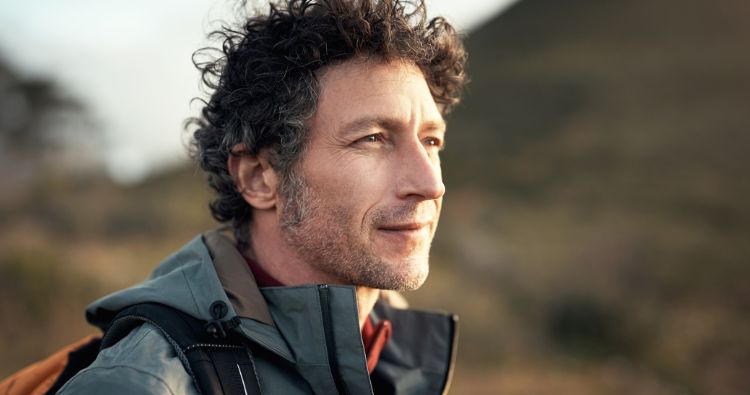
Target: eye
<point x="371" y="138"/>
<point x="433" y="142"/>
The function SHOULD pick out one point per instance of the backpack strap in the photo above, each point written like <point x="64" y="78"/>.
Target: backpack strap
<point x="78" y="359"/>
<point x="48" y="375"/>
<point x="218" y="360"/>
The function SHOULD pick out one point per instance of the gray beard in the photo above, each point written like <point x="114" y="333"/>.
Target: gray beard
<point x="320" y="234"/>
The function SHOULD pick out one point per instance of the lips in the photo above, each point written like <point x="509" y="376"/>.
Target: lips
<point x="412" y="226"/>
<point x="405" y="227"/>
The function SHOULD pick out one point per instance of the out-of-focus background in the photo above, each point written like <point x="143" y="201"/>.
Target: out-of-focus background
<point x="595" y="232"/>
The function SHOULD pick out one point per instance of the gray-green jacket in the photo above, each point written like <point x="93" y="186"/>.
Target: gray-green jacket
<point x="286" y="324"/>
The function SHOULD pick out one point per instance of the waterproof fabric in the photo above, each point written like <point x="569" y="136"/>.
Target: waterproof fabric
<point x="299" y="349"/>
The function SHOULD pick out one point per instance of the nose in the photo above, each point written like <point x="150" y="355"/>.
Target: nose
<point x="419" y="173"/>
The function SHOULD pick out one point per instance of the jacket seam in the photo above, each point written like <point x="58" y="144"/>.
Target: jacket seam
<point x="137" y="370"/>
<point x="252" y="364"/>
<point x="146" y="331"/>
<point x="190" y="288"/>
<point x="152" y="327"/>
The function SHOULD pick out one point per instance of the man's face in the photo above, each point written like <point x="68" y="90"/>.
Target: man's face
<point x="369" y="187"/>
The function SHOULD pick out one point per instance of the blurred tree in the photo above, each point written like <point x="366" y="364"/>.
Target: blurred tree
<point x="39" y="125"/>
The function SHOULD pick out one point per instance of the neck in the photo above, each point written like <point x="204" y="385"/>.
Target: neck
<point x="366" y="298"/>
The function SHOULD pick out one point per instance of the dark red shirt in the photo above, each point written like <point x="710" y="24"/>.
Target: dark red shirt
<point x="374" y="336"/>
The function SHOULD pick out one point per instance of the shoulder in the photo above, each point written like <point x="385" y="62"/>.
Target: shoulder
<point x="143" y="362"/>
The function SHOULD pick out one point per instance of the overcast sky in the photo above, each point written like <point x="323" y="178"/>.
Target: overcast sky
<point x="128" y="62"/>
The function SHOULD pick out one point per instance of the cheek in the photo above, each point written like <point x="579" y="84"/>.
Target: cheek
<point x="365" y="191"/>
<point x="355" y="186"/>
<point x="438" y="209"/>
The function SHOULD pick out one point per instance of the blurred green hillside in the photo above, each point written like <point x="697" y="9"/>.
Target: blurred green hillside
<point x="595" y="232"/>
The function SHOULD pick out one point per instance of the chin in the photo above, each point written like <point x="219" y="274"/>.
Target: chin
<point x="409" y="275"/>
<point x="417" y="283"/>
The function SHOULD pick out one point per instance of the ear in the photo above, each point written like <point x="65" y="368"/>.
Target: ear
<point x="254" y="177"/>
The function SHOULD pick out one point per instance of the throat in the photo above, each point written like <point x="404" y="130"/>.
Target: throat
<point x="366" y="299"/>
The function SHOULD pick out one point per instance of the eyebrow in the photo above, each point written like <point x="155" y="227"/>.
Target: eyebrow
<point x="387" y="123"/>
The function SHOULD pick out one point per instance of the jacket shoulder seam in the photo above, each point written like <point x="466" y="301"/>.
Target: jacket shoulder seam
<point x="137" y="335"/>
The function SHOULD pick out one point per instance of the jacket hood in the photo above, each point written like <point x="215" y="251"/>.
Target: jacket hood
<point x="207" y="269"/>
<point x="186" y="281"/>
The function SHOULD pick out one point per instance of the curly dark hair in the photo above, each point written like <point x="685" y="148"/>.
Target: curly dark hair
<point x="264" y="85"/>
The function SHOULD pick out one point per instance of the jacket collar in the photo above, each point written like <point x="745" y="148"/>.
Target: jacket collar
<point x="288" y="321"/>
<point x="423" y="343"/>
<point x="237" y="279"/>
<point x="296" y="312"/>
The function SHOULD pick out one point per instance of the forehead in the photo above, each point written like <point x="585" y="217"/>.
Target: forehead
<point x="367" y="89"/>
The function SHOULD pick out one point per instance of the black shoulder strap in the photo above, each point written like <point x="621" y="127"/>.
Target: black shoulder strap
<point x="218" y="360"/>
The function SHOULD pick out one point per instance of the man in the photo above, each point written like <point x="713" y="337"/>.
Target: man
<point x="322" y="140"/>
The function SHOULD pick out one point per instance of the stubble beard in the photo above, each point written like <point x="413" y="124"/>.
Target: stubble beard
<point x="321" y="234"/>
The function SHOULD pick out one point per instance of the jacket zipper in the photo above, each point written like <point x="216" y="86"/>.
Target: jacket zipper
<point x="211" y="345"/>
<point x="325" y="306"/>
